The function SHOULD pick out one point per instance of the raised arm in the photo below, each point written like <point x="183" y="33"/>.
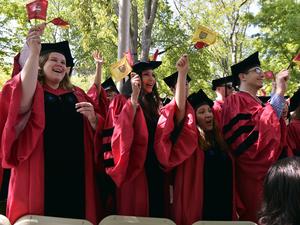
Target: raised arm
<point x="182" y="66"/>
<point x="282" y="82"/>
<point x="99" y="62"/>
<point x="277" y="99"/>
<point x="136" y="89"/>
<point x="29" y="73"/>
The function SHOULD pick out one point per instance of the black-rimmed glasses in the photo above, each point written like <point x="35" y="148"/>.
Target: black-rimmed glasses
<point x="256" y="70"/>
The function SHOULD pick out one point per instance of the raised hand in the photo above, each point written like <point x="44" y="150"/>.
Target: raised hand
<point x="182" y="64"/>
<point x="281" y="82"/>
<point x="136" y="88"/>
<point x="98" y="57"/>
<point x="33" y="39"/>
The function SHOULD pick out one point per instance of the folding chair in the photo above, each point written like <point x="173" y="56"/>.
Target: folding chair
<point x="224" y="223"/>
<point x="4" y="220"/>
<point x="46" y="220"/>
<point x="133" y="220"/>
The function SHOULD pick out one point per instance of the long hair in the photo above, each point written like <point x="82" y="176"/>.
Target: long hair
<point x="281" y="200"/>
<point x="64" y="84"/>
<point x="213" y="138"/>
<point x="150" y="103"/>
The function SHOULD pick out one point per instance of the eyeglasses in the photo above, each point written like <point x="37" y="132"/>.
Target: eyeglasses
<point x="256" y="70"/>
<point x="229" y="86"/>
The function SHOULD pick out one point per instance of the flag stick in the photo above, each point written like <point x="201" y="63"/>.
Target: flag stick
<point x="291" y="62"/>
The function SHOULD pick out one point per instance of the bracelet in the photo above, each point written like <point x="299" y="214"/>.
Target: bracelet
<point x="98" y="62"/>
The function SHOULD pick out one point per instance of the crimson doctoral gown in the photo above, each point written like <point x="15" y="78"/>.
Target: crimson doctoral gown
<point x="125" y="140"/>
<point x="293" y="136"/>
<point x="217" y="111"/>
<point x="98" y="95"/>
<point x="253" y="132"/>
<point x="22" y="150"/>
<point x="187" y="158"/>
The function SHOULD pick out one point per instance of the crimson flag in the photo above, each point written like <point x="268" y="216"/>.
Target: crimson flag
<point x="60" y="22"/>
<point x="296" y="59"/>
<point x="154" y="57"/>
<point x="269" y="75"/>
<point x="200" y="45"/>
<point x="129" y="57"/>
<point x="37" y="9"/>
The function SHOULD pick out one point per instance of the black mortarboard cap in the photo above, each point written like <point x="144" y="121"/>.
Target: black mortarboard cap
<point x="221" y="81"/>
<point x="199" y="98"/>
<point x="244" y="66"/>
<point x="172" y="79"/>
<point x="142" y="66"/>
<point x="295" y="100"/>
<point x="109" y="84"/>
<point x="165" y="101"/>
<point x="61" y="47"/>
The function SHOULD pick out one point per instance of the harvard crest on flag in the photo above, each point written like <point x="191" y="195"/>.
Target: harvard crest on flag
<point x="37" y="9"/>
<point x="120" y="69"/>
<point x="203" y="37"/>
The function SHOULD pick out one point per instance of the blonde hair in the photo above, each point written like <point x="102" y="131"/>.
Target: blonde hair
<point x="64" y="84"/>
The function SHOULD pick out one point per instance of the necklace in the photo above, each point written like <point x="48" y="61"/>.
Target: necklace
<point x="253" y="96"/>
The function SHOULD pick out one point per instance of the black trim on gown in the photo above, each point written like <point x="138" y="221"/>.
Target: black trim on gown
<point x="64" y="157"/>
<point x="155" y="175"/>
<point x="217" y="196"/>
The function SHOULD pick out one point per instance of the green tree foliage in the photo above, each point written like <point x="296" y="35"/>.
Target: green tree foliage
<point x="3" y="78"/>
<point x="227" y="18"/>
<point x="279" y="36"/>
<point x="94" y="24"/>
<point x="12" y="32"/>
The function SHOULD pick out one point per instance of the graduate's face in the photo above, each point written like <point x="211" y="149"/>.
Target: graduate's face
<point x="254" y="77"/>
<point x="55" y="68"/>
<point x="148" y="79"/>
<point x="205" y="117"/>
<point x="110" y="93"/>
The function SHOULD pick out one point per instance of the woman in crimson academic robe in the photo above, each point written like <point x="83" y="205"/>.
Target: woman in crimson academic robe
<point x="47" y="137"/>
<point x="128" y="140"/>
<point x="188" y="141"/>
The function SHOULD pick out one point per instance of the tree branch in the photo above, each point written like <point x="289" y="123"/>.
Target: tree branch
<point x="180" y="14"/>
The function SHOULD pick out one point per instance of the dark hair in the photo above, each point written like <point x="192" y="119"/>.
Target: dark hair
<point x="64" y="84"/>
<point x="150" y="103"/>
<point x="281" y="195"/>
<point x="213" y="138"/>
